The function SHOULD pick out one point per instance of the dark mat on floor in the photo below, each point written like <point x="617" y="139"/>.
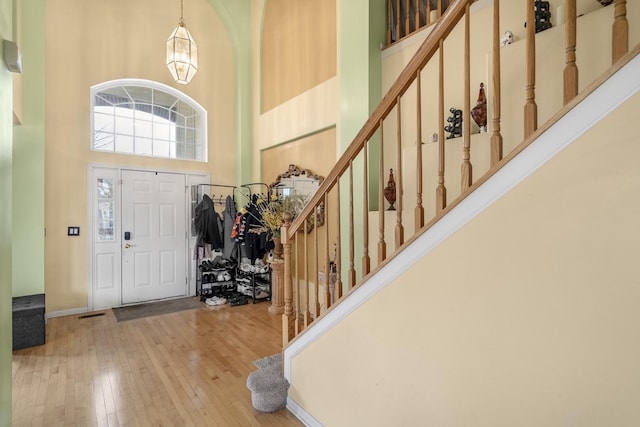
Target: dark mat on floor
<point x="139" y="311"/>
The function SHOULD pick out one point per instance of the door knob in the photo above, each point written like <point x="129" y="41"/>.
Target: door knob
<point x="127" y="246"/>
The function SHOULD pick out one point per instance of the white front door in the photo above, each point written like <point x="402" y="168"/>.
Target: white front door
<point x="153" y="236"/>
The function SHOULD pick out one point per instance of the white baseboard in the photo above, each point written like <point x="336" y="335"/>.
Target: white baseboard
<point x="69" y="312"/>
<point x="301" y="414"/>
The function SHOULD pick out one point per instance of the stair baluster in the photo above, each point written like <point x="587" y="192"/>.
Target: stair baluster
<point x="466" y="170"/>
<point x="327" y="265"/>
<point x="571" y="69"/>
<point x="441" y="191"/>
<point x="419" y="211"/>
<point x="307" y="309"/>
<point x="366" y="261"/>
<point x="288" y="319"/>
<point x="338" y="261"/>
<point x="399" y="192"/>
<point x="352" y="268"/>
<point x="316" y="308"/>
<point x="620" y="36"/>
<point x="530" y="107"/>
<point x="496" y="136"/>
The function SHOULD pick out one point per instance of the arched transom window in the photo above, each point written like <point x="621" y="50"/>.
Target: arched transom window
<point x="146" y="118"/>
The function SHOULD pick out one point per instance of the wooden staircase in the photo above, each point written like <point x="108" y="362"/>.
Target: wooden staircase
<point x="353" y="193"/>
<point x="440" y="187"/>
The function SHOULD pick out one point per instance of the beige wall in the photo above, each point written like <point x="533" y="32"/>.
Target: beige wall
<point x="526" y="316"/>
<point x="314" y="152"/>
<point x="311" y="108"/>
<point x="298" y="48"/>
<point x="92" y="42"/>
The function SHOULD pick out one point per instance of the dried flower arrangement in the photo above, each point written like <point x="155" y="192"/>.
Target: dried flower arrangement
<point x="270" y="213"/>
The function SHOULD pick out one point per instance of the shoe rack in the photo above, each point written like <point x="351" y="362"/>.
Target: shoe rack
<point x="254" y="281"/>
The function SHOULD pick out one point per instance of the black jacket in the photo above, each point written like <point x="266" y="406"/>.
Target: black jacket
<point x="206" y="223"/>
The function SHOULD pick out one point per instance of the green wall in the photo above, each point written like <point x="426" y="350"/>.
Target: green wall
<point x="6" y="128"/>
<point x="360" y="64"/>
<point x="236" y="15"/>
<point x="28" y="159"/>
<point x="360" y="92"/>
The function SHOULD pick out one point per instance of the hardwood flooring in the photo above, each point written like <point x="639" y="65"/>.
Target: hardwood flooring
<point x="181" y="369"/>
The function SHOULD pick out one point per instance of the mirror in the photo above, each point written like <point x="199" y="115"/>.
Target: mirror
<point x="301" y="182"/>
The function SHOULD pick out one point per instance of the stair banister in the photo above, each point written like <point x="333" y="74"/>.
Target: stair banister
<point x="297" y="318"/>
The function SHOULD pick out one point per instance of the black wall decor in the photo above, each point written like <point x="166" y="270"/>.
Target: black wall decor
<point x="543" y="16"/>
<point x="455" y="128"/>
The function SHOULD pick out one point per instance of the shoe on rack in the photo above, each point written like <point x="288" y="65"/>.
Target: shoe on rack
<point x="216" y="301"/>
<point x="260" y="294"/>
<point x="248" y="268"/>
<point x="238" y="301"/>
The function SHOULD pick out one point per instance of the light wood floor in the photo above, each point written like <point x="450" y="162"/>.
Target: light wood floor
<point x="181" y="369"/>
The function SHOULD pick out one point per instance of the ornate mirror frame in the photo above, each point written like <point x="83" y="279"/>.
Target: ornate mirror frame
<point x="301" y="181"/>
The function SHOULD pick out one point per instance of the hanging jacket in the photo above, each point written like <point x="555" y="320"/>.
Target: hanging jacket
<point x="206" y="223"/>
<point x="229" y="219"/>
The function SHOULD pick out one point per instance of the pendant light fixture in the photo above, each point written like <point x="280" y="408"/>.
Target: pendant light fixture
<point x="182" y="53"/>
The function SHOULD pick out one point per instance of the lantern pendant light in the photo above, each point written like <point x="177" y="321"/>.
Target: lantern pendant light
<point x="182" y="53"/>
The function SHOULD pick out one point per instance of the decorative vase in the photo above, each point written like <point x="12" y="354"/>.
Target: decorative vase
<point x="390" y="191"/>
<point x="277" y="248"/>
<point x="479" y="112"/>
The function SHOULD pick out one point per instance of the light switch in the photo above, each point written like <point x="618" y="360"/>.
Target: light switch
<point x="73" y="231"/>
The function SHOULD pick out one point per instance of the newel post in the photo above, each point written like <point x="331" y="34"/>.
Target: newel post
<point x="288" y="319"/>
